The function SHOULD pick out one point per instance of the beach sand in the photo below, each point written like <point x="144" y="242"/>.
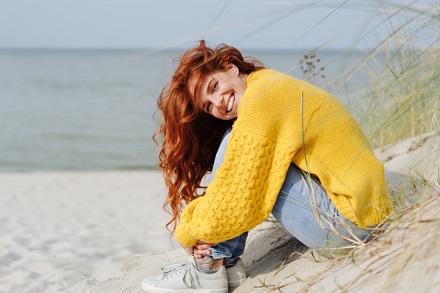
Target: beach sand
<point x="104" y="232"/>
<point x="60" y="228"/>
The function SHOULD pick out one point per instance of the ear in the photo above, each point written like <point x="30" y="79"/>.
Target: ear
<point x="232" y="68"/>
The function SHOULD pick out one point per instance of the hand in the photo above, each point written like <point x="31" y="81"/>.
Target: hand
<point x="201" y="249"/>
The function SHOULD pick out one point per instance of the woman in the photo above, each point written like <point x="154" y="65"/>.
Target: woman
<point x="293" y="151"/>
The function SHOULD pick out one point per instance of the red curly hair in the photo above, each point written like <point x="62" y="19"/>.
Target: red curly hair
<point x="190" y="136"/>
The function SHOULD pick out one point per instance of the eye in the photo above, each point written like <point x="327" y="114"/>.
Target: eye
<point x="214" y="86"/>
<point x="208" y="107"/>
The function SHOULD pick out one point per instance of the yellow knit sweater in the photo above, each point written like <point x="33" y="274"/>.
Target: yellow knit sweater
<point x="283" y="120"/>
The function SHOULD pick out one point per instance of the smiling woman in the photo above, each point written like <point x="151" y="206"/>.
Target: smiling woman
<point x="287" y="148"/>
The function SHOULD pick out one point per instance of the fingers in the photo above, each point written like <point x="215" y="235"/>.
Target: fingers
<point x="201" y="249"/>
<point x="199" y="253"/>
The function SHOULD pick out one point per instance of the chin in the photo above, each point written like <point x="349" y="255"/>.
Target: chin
<point x="229" y="118"/>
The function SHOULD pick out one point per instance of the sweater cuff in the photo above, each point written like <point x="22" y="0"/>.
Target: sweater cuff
<point x="184" y="238"/>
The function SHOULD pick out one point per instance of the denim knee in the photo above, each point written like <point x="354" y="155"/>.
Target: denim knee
<point x="306" y="211"/>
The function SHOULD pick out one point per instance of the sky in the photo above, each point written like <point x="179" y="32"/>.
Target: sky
<point x="287" y="24"/>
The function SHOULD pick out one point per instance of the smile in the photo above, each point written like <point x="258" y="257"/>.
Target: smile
<point x="231" y="103"/>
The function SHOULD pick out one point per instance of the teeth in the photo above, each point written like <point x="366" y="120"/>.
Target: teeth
<point x="231" y="103"/>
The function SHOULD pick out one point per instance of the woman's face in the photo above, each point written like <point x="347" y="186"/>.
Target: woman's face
<point x="221" y="92"/>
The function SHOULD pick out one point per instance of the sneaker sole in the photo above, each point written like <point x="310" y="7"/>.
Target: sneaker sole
<point x="150" y="289"/>
<point x="235" y="284"/>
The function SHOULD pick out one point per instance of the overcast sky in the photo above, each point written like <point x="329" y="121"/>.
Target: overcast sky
<point x="179" y="23"/>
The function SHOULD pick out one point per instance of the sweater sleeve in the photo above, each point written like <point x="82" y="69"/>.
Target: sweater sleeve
<point x="242" y="193"/>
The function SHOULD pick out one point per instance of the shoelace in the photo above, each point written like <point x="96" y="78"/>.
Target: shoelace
<point x="189" y="273"/>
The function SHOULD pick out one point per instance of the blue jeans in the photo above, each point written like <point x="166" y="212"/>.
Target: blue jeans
<point x="304" y="209"/>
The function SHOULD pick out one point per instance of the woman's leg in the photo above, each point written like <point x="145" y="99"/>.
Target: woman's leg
<point x="305" y="210"/>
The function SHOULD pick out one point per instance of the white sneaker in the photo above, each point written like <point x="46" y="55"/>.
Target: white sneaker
<point x="186" y="278"/>
<point x="236" y="274"/>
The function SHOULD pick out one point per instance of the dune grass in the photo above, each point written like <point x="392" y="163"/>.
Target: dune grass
<point x="404" y="99"/>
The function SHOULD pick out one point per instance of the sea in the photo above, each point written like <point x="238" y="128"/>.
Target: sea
<point x="65" y="109"/>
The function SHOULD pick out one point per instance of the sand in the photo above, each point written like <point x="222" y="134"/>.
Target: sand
<point x="58" y="229"/>
<point x="104" y="232"/>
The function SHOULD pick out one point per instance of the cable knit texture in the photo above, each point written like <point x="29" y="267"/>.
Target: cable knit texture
<point x="283" y="120"/>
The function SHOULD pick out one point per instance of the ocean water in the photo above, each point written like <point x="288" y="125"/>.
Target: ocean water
<point x="94" y="109"/>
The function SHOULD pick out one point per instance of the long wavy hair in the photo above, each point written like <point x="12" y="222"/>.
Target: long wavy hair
<point x="190" y="136"/>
